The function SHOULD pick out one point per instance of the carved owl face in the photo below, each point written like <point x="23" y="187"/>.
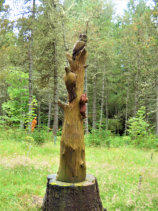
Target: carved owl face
<point x="83" y="37"/>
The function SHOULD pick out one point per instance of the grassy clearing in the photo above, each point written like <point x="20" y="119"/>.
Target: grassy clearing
<point x="127" y="177"/>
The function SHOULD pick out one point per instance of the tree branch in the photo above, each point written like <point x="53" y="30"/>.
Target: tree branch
<point x="62" y="104"/>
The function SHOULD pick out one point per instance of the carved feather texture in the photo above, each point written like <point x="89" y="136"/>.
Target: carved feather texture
<point x="77" y="48"/>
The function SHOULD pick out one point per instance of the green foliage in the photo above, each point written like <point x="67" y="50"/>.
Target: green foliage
<point x="149" y="142"/>
<point x="122" y="50"/>
<point x="114" y="125"/>
<point x="59" y="132"/>
<point x="17" y="106"/>
<point x="107" y="139"/>
<point x="39" y="136"/>
<point x="98" y="137"/>
<point x="138" y="127"/>
<point x="30" y="115"/>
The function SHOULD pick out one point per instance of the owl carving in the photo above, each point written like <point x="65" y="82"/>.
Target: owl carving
<point x="70" y="82"/>
<point x="79" y="46"/>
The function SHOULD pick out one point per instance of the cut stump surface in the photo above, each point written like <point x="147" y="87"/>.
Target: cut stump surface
<point x="82" y="196"/>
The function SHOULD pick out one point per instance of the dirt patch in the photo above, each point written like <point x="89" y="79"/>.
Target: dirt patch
<point x="37" y="201"/>
<point x="106" y="166"/>
<point x="22" y="160"/>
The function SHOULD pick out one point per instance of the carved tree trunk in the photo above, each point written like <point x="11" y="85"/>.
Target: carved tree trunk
<point x="86" y="90"/>
<point x="72" y="148"/>
<point x="71" y="189"/>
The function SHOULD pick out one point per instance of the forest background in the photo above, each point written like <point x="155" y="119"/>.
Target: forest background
<point x="121" y="79"/>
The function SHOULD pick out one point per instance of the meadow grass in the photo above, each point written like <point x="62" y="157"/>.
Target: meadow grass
<point x="127" y="177"/>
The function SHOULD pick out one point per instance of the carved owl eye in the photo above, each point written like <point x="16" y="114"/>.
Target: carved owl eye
<point x="84" y="36"/>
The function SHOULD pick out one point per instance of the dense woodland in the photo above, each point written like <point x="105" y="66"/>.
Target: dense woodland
<point x="121" y="79"/>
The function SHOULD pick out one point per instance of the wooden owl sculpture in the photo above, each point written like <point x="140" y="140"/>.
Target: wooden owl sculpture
<point x="70" y="82"/>
<point x="79" y="46"/>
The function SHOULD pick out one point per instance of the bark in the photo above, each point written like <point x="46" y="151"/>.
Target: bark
<point x="126" y="114"/>
<point x="106" y="108"/>
<point x="39" y="114"/>
<point x="72" y="166"/>
<point x="94" y="104"/>
<point x="49" y="113"/>
<point x="72" y="196"/>
<point x="86" y="90"/>
<point x="22" y="116"/>
<point x="157" y="107"/>
<point x="137" y="78"/>
<point x="31" y="68"/>
<point x="102" y="101"/>
<point x="136" y="94"/>
<point x="55" y="122"/>
<point x="30" y="85"/>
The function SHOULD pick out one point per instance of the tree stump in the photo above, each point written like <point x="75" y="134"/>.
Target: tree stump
<point x="71" y="189"/>
<point x="62" y="196"/>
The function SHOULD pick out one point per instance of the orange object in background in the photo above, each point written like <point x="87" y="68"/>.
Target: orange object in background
<point x="33" y="124"/>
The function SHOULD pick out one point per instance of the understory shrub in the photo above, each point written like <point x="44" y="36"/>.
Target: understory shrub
<point x="15" y="134"/>
<point x="38" y="136"/>
<point x="41" y="135"/>
<point x="148" y="142"/>
<point x="106" y="138"/>
<point x="138" y="127"/>
<point x="98" y="137"/>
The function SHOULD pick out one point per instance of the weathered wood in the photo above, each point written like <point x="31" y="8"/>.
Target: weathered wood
<point x="61" y="196"/>
<point x="72" y="166"/>
<point x="71" y="189"/>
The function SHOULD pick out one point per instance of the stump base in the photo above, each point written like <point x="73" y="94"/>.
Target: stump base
<point x="62" y="196"/>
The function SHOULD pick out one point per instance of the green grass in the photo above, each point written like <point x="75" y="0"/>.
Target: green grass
<point x="23" y="174"/>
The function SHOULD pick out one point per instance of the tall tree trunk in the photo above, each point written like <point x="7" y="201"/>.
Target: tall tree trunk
<point x="55" y="104"/>
<point x="137" y="78"/>
<point x="106" y="106"/>
<point x="30" y="86"/>
<point x="157" y="106"/>
<point x="126" y="114"/>
<point x="86" y="90"/>
<point x="39" y="114"/>
<point x="49" y="113"/>
<point x="102" y="101"/>
<point x="22" y="115"/>
<point x="94" y="104"/>
<point x="136" y="93"/>
<point x="106" y="103"/>
<point x="31" y="67"/>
